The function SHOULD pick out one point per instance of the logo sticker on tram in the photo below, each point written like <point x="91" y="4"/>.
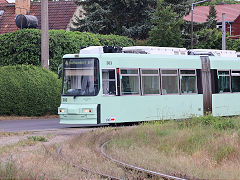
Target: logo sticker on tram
<point x="110" y="118"/>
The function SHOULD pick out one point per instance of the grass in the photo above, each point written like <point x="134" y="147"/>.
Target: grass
<point x="37" y="138"/>
<point x="8" y="170"/>
<point x="204" y="147"/>
<point x="7" y="134"/>
<point x="29" y="141"/>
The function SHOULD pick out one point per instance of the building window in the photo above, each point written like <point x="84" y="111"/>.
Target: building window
<point x="129" y="82"/>
<point x="188" y="81"/>
<point x="235" y="81"/>
<point x="223" y="81"/>
<point x="150" y="81"/>
<point x="1" y="12"/>
<point x="169" y="79"/>
<point x="109" y="81"/>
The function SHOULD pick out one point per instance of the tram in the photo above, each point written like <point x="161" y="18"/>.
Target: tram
<point x="103" y="85"/>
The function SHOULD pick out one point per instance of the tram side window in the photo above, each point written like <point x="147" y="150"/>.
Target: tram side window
<point x="129" y="81"/>
<point x="188" y="81"/>
<point x="223" y="81"/>
<point x="109" y="81"/>
<point x="169" y="79"/>
<point x="150" y="81"/>
<point x="235" y="79"/>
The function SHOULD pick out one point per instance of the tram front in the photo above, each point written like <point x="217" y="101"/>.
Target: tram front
<point x="79" y="91"/>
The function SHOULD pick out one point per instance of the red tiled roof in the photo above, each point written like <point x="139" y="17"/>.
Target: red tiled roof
<point x="200" y="13"/>
<point x="59" y="13"/>
<point x="3" y="2"/>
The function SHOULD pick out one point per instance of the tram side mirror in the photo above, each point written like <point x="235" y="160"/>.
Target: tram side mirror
<point x="60" y="71"/>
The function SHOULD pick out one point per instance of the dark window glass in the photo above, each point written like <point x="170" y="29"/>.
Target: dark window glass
<point x="150" y="85"/>
<point x="223" y="81"/>
<point x="223" y="72"/>
<point x="235" y="83"/>
<point x="169" y="84"/>
<point x="188" y="84"/>
<point x="235" y="73"/>
<point x="150" y="72"/>
<point x="188" y="81"/>
<point x="187" y="71"/>
<point x="108" y="82"/>
<point x="223" y="84"/>
<point x="129" y="71"/>
<point x="169" y="71"/>
<point x="81" y="77"/>
<point x="130" y="85"/>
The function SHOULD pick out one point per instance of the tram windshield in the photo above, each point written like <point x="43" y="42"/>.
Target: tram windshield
<point x="81" y="77"/>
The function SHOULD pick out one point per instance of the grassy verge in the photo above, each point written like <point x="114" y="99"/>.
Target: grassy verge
<point x="4" y="118"/>
<point x="205" y="147"/>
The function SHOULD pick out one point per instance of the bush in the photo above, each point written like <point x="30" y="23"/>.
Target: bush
<point x="216" y="122"/>
<point x="211" y="39"/>
<point x="28" y="90"/>
<point x="236" y="45"/>
<point x="24" y="46"/>
<point x="114" y="40"/>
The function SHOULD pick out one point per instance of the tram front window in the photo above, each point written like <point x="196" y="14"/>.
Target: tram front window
<point x="80" y="77"/>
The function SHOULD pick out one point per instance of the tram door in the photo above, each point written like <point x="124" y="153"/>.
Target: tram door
<point x="206" y="85"/>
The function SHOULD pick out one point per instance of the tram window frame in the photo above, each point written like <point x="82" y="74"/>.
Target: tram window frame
<point x="108" y="80"/>
<point x="133" y="75"/>
<point x="234" y="75"/>
<point x="222" y="75"/>
<point x="169" y="75"/>
<point x="150" y="75"/>
<point x="185" y="75"/>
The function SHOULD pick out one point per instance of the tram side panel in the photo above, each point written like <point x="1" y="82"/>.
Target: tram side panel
<point x="226" y="86"/>
<point x="147" y="108"/>
<point x="226" y="104"/>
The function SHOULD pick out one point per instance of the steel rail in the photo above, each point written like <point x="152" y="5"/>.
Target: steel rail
<point x="84" y="169"/>
<point x="137" y="168"/>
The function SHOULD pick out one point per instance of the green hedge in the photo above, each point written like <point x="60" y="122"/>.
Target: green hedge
<point x="28" y="90"/>
<point x="24" y="46"/>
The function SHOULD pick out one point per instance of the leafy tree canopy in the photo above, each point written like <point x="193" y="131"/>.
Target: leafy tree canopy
<point x="166" y="31"/>
<point x="211" y="39"/>
<point x="181" y="7"/>
<point x="123" y="17"/>
<point x="211" y="19"/>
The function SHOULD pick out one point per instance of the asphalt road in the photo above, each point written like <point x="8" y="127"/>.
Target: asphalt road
<point x="35" y="124"/>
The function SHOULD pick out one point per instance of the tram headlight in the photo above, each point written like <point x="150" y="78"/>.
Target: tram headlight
<point x="61" y="110"/>
<point x="87" y="110"/>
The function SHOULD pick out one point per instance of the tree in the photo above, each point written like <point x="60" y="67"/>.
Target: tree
<point x="210" y="39"/>
<point x="166" y="31"/>
<point x="181" y="7"/>
<point x="123" y="17"/>
<point x="211" y="19"/>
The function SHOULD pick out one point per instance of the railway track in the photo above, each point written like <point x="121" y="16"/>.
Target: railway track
<point x="60" y="156"/>
<point x="127" y="167"/>
<point x="149" y="173"/>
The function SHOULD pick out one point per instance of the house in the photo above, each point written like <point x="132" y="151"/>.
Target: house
<point x="232" y="17"/>
<point x="59" y="13"/>
<point x="3" y="1"/>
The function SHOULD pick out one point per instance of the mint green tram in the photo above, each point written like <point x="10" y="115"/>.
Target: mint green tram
<point x="104" y="88"/>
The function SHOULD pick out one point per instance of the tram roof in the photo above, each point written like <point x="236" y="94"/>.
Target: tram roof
<point x="150" y="52"/>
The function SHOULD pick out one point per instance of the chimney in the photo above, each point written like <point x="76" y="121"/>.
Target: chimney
<point x="22" y="7"/>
